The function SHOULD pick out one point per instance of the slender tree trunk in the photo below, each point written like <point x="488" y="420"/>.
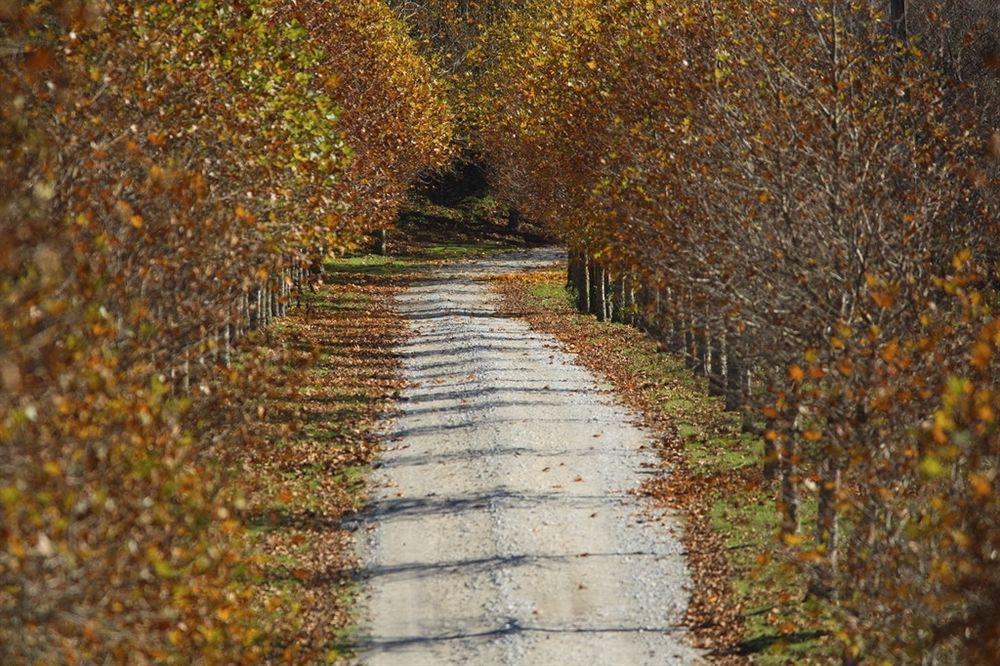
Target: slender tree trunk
<point x="595" y="283"/>
<point x="748" y="421"/>
<point x="789" y="482"/>
<point x="608" y="295"/>
<point x="597" y="301"/>
<point x="827" y="522"/>
<point x="186" y="373"/>
<point x="244" y="323"/>
<point x="253" y="307"/>
<point x="700" y="362"/>
<point x="657" y="321"/>
<point x="716" y="376"/>
<point x="583" y="283"/>
<point x="771" y="457"/>
<point x="679" y="336"/>
<point x="262" y="307"/>
<point x="227" y="345"/>
<point x="689" y="343"/>
<point x="286" y="288"/>
<point x="618" y="298"/>
<point x="282" y="291"/>
<point x="632" y="314"/>
<point x="734" y="371"/>
<point x="897" y="18"/>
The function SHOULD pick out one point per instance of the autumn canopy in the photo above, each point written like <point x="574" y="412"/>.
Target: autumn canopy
<point x="807" y="189"/>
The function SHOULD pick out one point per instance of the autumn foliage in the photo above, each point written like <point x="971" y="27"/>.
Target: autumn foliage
<point x="800" y="197"/>
<point x="171" y="171"/>
<point x="803" y="201"/>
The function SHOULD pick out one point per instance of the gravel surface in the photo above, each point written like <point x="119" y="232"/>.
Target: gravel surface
<point x="502" y="529"/>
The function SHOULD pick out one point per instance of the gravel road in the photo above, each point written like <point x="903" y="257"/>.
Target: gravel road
<point x="502" y="529"/>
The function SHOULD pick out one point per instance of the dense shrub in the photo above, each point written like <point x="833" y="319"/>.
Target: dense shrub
<point x="170" y="169"/>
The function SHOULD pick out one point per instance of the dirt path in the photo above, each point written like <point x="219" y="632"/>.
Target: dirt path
<point x="503" y="531"/>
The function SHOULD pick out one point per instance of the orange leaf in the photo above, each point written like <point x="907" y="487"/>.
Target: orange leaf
<point x="981" y="486"/>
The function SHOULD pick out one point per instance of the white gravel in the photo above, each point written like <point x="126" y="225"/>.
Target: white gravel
<point x="502" y="529"/>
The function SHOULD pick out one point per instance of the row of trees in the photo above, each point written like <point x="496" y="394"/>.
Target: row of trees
<point x="171" y="172"/>
<point x="802" y="197"/>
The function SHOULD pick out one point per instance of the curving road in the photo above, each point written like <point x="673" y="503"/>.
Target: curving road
<point x="502" y="530"/>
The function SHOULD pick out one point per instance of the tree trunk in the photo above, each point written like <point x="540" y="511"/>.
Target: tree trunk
<point x="592" y="276"/>
<point x="632" y="315"/>
<point x="897" y="19"/>
<point x="734" y="371"/>
<point x="827" y="523"/>
<point x="583" y="283"/>
<point x="700" y="362"/>
<point x="513" y="220"/>
<point x="186" y="373"/>
<point x="381" y="242"/>
<point x="657" y="317"/>
<point x="679" y="336"/>
<point x="789" y="490"/>
<point x="253" y="307"/>
<point x="227" y="345"/>
<point x="748" y="421"/>
<point x="716" y="376"/>
<point x="264" y="312"/>
<point x="618" y="298"/>
<point x="608" y="295"/>
<point x="689" y="343"/>
<point x="598" y="303"/>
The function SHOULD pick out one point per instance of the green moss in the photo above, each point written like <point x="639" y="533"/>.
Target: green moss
<point x="549" y="295"/>
<point x="465" y="250"/>
<point x="369" y="264"/>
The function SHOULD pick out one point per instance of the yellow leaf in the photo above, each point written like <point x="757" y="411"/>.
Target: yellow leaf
<point x="931" y="467"/>
<point x="793" y="539"/>
<point x="960" y="258"/>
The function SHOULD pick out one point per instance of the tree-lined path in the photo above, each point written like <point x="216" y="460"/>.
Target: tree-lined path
<point x="225" y="236"/>
<point x="503" y="529"/>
